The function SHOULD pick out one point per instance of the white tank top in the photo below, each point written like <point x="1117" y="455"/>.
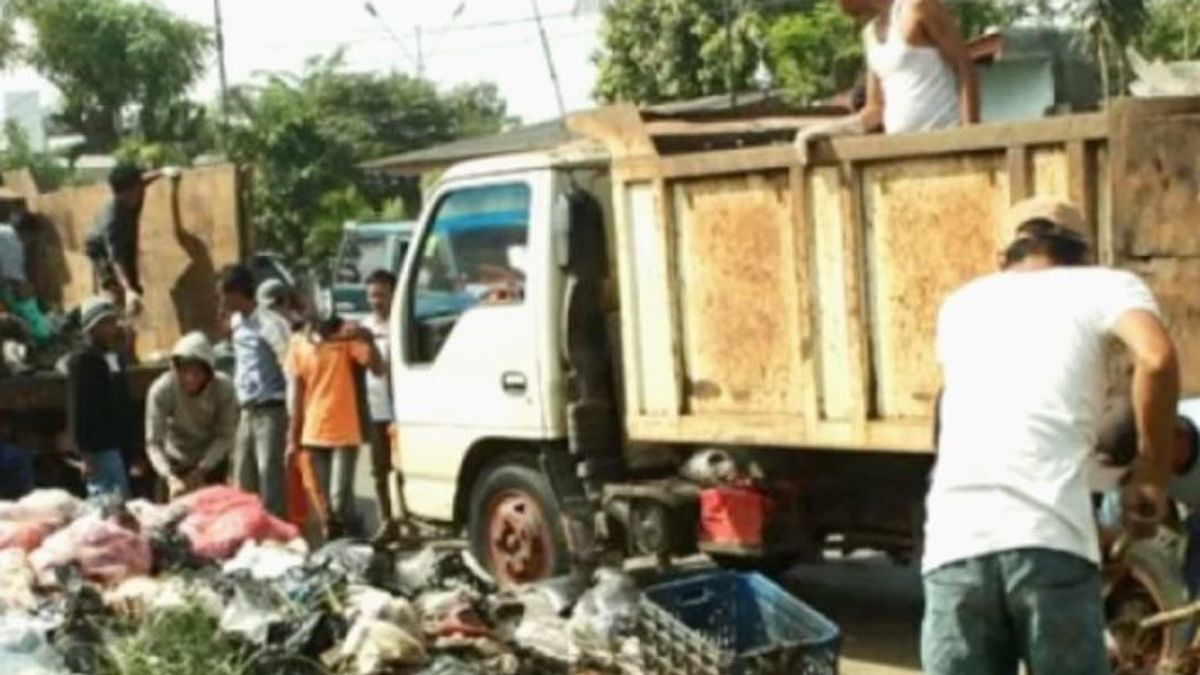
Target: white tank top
<point x="920" y="91"/>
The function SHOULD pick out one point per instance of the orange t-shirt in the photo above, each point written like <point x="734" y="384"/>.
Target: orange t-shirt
<point x="330" y="402"/>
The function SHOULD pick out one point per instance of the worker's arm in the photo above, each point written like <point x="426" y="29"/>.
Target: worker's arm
<point x="943" y="31"/>
<point x="295" y="438"/>
<point x="1155" y="394"/>
<point x="224" y="428"/>
<point x="158" y="406"/>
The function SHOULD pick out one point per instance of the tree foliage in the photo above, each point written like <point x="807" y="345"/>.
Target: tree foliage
<point x="1171" y="31"/>
<point x="656" y="51"/>
<point x="306" y="135"/>
<point x="122" y="67"/>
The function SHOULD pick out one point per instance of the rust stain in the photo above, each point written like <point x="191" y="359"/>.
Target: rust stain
<point x="934" y="228"/>
<point x="739" y="298"/>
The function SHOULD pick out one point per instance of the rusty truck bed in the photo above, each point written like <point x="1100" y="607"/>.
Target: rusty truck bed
<point x="771" y="300"/>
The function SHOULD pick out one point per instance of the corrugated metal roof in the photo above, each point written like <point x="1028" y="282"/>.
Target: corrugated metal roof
<point x="532" y="138"/>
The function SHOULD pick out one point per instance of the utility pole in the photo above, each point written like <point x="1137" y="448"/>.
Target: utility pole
<point x="420" y="53"/>
<point x="537" y="17"/>
<point x="224" y="80"/>
<point x="729" y="67"/>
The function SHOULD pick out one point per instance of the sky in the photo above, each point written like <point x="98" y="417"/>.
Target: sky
<point x="488" y="40"/>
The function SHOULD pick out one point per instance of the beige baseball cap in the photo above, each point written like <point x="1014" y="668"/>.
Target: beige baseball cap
<point x="1067" y="221"/>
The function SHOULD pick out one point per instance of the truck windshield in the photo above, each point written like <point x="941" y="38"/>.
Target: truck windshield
<point x="473" y="254"/>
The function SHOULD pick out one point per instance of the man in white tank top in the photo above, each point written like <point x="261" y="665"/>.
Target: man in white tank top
<point x="920" y="76"/>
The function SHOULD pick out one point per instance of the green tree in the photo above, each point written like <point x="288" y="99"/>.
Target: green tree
<point x="1171" y="31"/>
<point x="306" y="135"/>
<point x="653" y="51"/>
<point x="123" y="68"/>
<point x="657" y="51"/>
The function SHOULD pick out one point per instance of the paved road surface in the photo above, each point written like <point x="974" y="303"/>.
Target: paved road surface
<point x="876" y="604"/>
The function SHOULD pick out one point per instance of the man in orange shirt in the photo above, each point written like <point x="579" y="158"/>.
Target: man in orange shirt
<point x="326" y="425"/>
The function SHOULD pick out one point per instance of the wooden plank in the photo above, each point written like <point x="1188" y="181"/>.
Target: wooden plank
<point x="669" y="245"/>
<point x="1081" y="184"/>
<point x="805" y="270"/>
<point x="935" y="226"/>
<point x="1018" y="173"/>
<point x="832" y="362"/>
<point x="739" y="289"/>
<point x="625" y="260"/>
<point x="672" y="127"/>
<point x="872" y="148"/>
<point x="784" y="431"/>
<point x="619" y="127"/>
<point x="850" y="200"/>
<point x="1051" y="176"/>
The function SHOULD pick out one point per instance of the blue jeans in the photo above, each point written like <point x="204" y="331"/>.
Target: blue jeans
<point x="108" y="474"/>
<point x="987" y="615"/>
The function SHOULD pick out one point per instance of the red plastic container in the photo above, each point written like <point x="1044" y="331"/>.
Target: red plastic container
<point x="733" y="517"/>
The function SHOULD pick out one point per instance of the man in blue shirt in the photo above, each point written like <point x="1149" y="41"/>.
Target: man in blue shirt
<point x="259" y="343"/>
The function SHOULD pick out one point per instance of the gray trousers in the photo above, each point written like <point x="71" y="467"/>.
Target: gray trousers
<point x="258" y="465"/>
<point x="333" y="471"/>
<point x="986" y="615"/>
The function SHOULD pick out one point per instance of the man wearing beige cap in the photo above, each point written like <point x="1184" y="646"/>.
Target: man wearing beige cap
<point x="1011" y="565"/>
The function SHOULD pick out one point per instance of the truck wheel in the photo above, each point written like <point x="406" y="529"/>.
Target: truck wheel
<point x="514" y="523"/>
<point x="1150" y="583"/>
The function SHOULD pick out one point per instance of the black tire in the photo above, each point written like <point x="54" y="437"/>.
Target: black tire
<point x="1153" y="569"/>
<point x="514" y="478"/>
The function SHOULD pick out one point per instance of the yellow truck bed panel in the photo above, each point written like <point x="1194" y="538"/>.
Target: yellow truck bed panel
<point x="770" y="300"/>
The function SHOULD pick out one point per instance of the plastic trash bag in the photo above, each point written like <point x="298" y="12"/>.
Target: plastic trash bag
<point x="51" y="505"/>
<point x="250" y="615"/>
<point x="358" y="563"/>
<point x="140" y="596"/>
<point x="220" y="519"/>
<point x="543" y="632"/>
<point x="606" y="612"/>
<point x="16" y="581"/>
<point x="365" y="602"/>
<point x="372" y="646"/>
<point x="269" y="560"/>
<point x="445" y="664"/>
<point x="24" y="649"/>
<point x="25" y="535"/>
<point x="104" y="551"/>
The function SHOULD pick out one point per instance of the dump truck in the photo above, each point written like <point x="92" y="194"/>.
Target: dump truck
<point x="656" y="286"/>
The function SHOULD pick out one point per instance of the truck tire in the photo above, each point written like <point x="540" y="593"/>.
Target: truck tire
<point x="1152" y="582"/>
<point x="514" y="523"/>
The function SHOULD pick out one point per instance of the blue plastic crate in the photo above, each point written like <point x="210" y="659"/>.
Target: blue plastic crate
<point x="729" y="623"/>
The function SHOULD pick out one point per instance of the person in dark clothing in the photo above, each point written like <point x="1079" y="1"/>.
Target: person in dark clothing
<point x="100" y="409"/>
<point x="16" y="464"/>
<point x="112" y="241"/>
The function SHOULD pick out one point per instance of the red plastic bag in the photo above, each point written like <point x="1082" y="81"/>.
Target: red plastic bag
<point x="220" y="519"/>
<point x="25" y="535"/>
<point x="733" y="517"/>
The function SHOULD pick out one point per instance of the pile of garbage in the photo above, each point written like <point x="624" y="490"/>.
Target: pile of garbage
<point x="212" y="584"/>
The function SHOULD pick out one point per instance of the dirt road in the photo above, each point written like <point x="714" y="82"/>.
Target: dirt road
<point x="876" y="604"/>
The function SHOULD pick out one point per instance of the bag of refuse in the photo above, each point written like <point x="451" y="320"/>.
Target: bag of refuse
<point x="268" y="560"/>
<point x="606" y="612"/>
<point x="220" y="519"/>
<point x="57" y="506"/>
<point x="365" y="602"/>
<point x="25" y="524"/>
<point x="24" y="649"/>
<point x="16" y="581"/>
<point x="373" y="646"/>
<point x="25" y="535"/>
<point x="153" y="516"/>
<point x="104" y="551"/>
<point x="359" y="563"/>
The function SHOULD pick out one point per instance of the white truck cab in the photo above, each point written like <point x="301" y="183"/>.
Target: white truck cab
<point x="478" y="376"/>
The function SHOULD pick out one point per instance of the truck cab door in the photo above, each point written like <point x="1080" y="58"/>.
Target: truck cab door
<point x="466" y="334"/>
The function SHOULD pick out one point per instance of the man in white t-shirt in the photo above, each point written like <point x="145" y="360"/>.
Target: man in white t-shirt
<point x="381" y="286"/>
<point x="1011" y="553"/>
